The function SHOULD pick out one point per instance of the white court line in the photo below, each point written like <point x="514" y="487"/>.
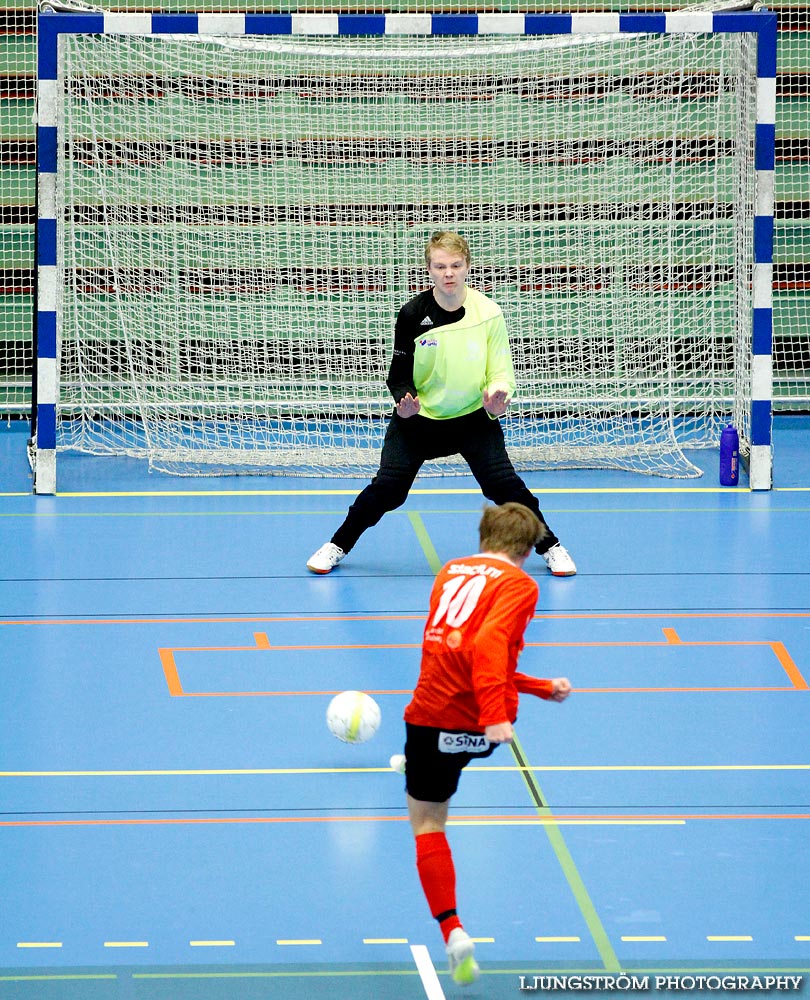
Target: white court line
<point x="433" y="988"/>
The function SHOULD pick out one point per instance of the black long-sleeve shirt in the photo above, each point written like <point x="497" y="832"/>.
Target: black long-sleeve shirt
<point x="447" y="359"/>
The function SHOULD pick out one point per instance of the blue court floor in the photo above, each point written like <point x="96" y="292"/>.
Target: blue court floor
<point x="176" y="822"/>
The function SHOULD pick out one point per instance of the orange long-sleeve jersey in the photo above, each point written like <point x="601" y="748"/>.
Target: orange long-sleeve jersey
<point x="479" y="609"/>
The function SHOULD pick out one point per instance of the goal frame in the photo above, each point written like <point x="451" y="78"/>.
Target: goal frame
<point x="51" y="25"/>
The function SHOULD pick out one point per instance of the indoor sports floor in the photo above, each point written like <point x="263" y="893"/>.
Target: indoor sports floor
<point x="176" y="821"/>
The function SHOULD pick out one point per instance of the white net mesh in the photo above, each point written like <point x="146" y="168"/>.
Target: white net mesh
<point x="17" y="185"/>
<point x="791" y="341"/>
<point x="240" y="221"/>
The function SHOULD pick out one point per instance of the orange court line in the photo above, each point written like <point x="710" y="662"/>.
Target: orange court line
<point x="550" y="819"/>
<point x="323" y="694"/>
<point x="354" y="645"/>
<point x="231" y="619"/>
<point x="597" y="643"/>
<point x="381" y="691"/>
<point x="671" y="638"/>
<point x="790" y="667"/>
<point x="170" y="672"/>
<point x="674" y="690"/>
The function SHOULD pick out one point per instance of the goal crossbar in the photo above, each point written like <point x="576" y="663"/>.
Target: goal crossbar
<point x="756" y="420"/>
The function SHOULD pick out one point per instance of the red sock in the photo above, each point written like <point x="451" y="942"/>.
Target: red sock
<point x="437" y="873"/>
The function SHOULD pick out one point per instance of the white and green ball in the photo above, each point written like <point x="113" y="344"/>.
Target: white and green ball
<point x="353" y="716"/>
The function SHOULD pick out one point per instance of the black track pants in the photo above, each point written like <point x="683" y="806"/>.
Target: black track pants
<point x="410" y="442"/>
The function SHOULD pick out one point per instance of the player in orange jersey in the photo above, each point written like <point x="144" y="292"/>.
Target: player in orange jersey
<point x="466" y="698"/>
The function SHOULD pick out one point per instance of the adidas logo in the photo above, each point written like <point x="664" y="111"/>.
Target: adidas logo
<point x="427" y="321"/>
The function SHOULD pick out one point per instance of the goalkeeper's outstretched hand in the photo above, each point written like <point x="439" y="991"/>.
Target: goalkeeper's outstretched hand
<point x="408" y="406"/>
<point x="497" y="402"/>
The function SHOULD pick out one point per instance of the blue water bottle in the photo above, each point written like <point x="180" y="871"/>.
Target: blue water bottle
<point x="729" y="456"/>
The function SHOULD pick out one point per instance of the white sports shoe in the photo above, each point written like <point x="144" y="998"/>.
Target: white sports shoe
<point x="463" y="966"/>
<point x="397" y="763"/>
<point x="559" y="561"/>
<point x="325" y="559"/>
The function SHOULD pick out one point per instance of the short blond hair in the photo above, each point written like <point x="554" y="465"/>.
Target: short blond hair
<point x="451" y="242"/>
<point x="510" y="528"/>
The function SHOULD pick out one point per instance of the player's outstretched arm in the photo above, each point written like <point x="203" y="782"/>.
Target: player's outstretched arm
<point x="555" y="689"/>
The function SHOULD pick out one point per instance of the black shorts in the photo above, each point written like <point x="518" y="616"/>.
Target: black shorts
<point x="435" y="758"/>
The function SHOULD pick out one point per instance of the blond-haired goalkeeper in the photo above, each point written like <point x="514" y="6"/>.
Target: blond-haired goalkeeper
<point x="451" y="377"/>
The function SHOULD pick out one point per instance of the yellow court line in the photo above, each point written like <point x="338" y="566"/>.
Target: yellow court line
<point x="39" y="944"/>
<point x="385" y="940"/>
<point x="551" y="821"/>
<point x="541" y="768"/>
<point x="554" y="821"/>
<point x="422" y="491"/>
<point x="558" y="491"/>
<point x="284" y="941"/>
<point x="647" y="767"/>
<point x="729" y="937"/>
<point x="437" y="491"/>
<point x="126" y="944"/>
<point x="191" y="772"/>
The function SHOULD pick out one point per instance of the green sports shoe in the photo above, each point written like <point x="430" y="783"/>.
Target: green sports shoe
<point x="463" y="966"/>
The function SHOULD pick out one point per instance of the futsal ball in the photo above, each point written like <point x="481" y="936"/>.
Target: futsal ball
<point x="353" y="716"/>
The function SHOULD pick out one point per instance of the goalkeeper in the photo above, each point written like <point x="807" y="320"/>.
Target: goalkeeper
<point x="451" y="377"/>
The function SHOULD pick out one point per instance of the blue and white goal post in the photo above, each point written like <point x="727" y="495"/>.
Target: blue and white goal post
<point x="55" y="29"/>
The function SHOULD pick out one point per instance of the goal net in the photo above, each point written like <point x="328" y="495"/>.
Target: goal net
<point x="240" y="218"/>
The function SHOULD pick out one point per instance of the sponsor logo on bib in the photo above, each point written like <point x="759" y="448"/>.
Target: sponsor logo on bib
<point x="462" y="742"/>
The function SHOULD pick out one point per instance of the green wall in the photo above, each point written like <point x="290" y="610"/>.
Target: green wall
<point x="17" y="183"/>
